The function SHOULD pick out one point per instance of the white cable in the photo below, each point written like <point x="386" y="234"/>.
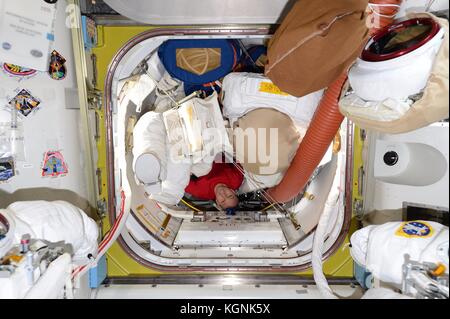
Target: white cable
<point x="430" y="3"/>
<point x="319" y="240"/>
<point x="317" y="253"/>
<point x="371" y="5"/>
<point x="69" y="288"/>
<point x="383" y="5"/>
<point x="266" y="195"/>
<point x="158" y="87"/>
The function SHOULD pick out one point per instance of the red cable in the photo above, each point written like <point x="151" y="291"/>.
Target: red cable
<point x="108" y="237"/>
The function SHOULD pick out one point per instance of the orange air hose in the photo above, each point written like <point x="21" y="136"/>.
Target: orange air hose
<point x="382" y="13"/>
<point x="326" y="121"/>
<point x="314" y="145"/>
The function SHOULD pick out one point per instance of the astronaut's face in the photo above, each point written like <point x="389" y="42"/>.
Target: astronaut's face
<point x="225" y="197"/>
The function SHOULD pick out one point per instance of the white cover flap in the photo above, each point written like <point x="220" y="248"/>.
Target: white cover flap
<point x="200" y="12"/>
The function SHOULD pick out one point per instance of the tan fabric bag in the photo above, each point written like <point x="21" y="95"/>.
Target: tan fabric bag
<point x="316" y="42"/>
<point x="434" y="104"/>
<point x="256" y="151"/>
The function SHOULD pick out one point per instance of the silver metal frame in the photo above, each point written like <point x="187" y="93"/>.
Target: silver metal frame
<point x="81" y="71"/>
<point x="224" y="279"/>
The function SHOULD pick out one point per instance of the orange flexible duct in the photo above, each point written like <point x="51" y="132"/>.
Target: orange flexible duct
<point x="314" y="145"/>
<point x="326" y="121"/>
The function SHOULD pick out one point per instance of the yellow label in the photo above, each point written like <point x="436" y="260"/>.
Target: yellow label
<point x="269" y="87"/>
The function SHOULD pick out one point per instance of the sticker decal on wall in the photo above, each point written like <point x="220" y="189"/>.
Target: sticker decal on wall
<point x="17" y="71"/>
<point x="54" y="164"/>
<point x="57" y="69"/>
<point x="6" y="168"/>
<point x="24" y="102"/>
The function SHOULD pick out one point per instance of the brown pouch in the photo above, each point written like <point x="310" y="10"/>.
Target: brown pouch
<point x="316" y="42"/>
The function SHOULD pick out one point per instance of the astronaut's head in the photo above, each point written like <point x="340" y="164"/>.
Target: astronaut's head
<point x="225" y="196"/>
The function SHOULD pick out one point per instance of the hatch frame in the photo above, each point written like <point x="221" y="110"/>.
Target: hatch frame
<point x="213" y="30"/>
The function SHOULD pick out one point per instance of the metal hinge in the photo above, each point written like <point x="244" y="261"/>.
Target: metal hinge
<point x="94" y="70"/>
<point x="97" y="127"/>
<point x="101" y="208"/>
<point x="94" y="99"/>
<point x="358" y="205"/>
<point x="361" y="174"/>
<point x="98" y="172"/>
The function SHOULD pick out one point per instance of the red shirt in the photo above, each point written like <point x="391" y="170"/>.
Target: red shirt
<point x="221" y="173"/>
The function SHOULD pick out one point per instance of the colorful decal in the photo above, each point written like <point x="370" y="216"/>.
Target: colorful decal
<point x="18" y="71"/>
<point x="54" y="164"/>
<point x="414" y="229"/>
<point x="24" y="102"/>
<point x="57" y="69"/>
<point x="6" y="168"/>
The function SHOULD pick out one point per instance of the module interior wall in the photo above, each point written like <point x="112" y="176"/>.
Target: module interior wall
<point x="51" y="127"/>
